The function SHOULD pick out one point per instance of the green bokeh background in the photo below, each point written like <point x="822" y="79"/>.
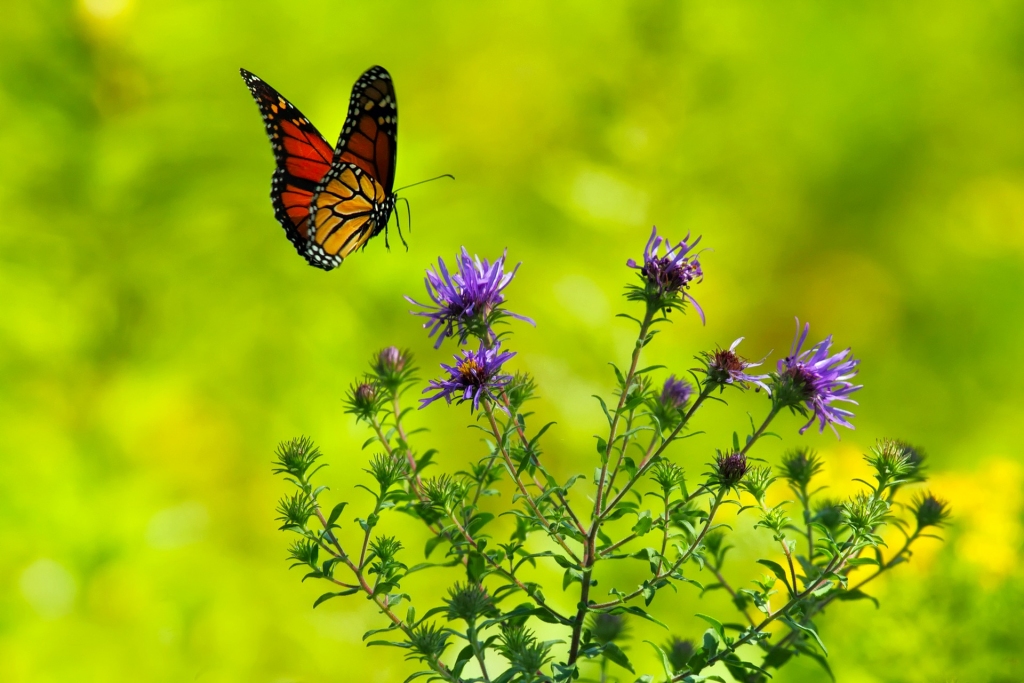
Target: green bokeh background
<point x="858" y="164"/>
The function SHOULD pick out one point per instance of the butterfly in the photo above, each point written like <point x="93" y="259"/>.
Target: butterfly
<point x="332" y="201"/>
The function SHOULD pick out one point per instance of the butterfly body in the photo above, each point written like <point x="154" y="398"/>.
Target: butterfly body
<point x="330" y="202"/>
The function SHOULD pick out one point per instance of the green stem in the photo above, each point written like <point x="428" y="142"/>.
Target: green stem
<point x="522" y="487"/>
<point x="650" y="457"/>
<point x="675" y="565"/>
<point x="475" y="643"/>
<point x="834" y="566"/>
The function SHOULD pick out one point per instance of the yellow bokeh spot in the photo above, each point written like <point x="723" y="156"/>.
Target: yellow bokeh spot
<point x="105" y="9"/>
<point x="986" y="505"/>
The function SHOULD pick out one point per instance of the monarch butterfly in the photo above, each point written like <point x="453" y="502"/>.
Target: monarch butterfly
<point x="331" y="202"/>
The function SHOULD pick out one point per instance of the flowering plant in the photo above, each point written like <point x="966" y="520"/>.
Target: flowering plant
<point x="504" y="523"/>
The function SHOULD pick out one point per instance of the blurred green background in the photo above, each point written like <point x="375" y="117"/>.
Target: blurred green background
<point x="858" y="164"/>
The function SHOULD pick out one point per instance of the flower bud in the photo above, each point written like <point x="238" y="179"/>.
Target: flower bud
<point x="930" y="511"/>
<point x="757" y="481"/>
<point x="391" y="360"/>
<point x="829" y="513"/>
<point x="390" y="368"/>
<point x="799" y="467"/>
<point x="730" y="468"/>
<point x="891" y="462"/>
<point x="608" y="628"/>
<point x="668" y="475"/>
<point x="469" y="602"/>
<point x="363" y="399"/>
<point x="863" y="513"/>
<point x="679" y="652"/>
<point x="668" y="407"/>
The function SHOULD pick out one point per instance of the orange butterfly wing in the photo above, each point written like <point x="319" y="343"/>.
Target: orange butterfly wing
<point x="349" y="208"/>
<point x="303" y="159"/>
<point x="354" y="200"/>
<point x="369" y="138"/>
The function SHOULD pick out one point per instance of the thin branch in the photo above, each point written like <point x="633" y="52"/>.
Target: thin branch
<point x="522" y="487"/>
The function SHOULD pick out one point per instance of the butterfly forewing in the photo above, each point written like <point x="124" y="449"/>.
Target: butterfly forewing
<point x="370" y="135"/>
<point x="303" y="158"/>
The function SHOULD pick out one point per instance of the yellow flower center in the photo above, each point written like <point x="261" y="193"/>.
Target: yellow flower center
<point x="469" y="368"/>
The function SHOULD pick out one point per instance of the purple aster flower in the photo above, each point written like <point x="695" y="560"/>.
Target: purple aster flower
<point x="725" y="366"/>
<point x="475" y="375"/>
<point x="817" y="379"/>
<point x="667" y="272"/>
<point x="467" y="301"/>
<point x="676" y="393"/>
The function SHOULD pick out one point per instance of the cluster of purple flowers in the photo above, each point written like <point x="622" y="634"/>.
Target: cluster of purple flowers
<point x="468" y="302"/>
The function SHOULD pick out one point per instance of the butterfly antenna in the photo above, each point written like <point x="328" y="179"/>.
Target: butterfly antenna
<point x="428" y="180"/>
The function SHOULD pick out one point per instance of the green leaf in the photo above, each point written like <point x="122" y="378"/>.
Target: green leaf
<point x="857" y="594"/>
<point x="710" y="643"/>
<point x="777" y="569"/>
<point x="615" y="654"/>
<point x="715" y="624"/>
<point x="335" y="513"/>
<point x="636" y="612"/>
<point x="666" y="665"/>
<point x="643" y="523"/>
<point x="475" y="567"/>
<point x="327" y="596"/>
<point x="478" y="523"/>
<point x="806" y="629"/>
<point x="432" y="543"/>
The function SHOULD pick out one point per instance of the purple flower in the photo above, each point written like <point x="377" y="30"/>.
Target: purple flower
<point x="468" y="301"/>
<point x="725" y="366"/>
<point x="818" y="380"/>
<point x="474" y="376"/>
<point x="668" y="275"/>
<point x="676" y="393"/>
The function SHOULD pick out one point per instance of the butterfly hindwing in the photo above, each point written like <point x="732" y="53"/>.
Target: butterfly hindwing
<point x="303" y="158"/>
<point x="348" y="208"/>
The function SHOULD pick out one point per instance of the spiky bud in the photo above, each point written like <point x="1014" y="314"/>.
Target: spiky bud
<point x="364" y="399"/>
<point x="607" y="628"/>
<point x="799" y="466"/>
<point x="929" y="510"/>
<point x="757" y="481"/>
<point x="729" y="469"/>
<point x="679" y="651"/>
<point x="295" y="457"/>
<point x="469" y="602"/>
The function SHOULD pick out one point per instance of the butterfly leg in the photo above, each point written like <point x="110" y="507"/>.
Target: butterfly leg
<point x="408" y="223"/>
